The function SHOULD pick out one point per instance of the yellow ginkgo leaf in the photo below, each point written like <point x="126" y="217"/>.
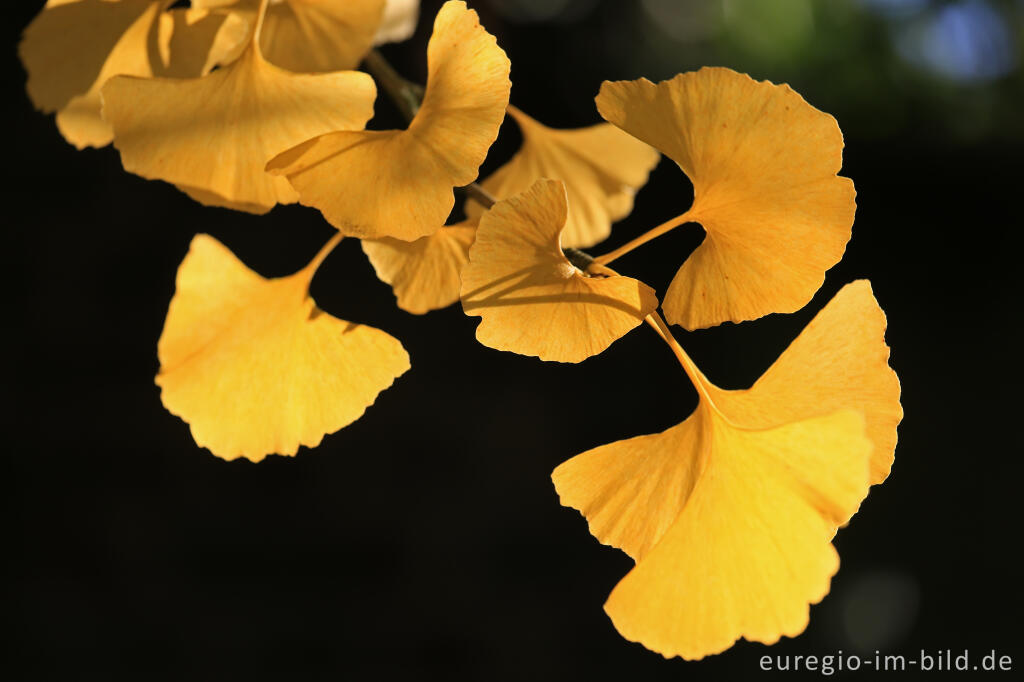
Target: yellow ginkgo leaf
<point x="424" y="274"/>
<point x="398" y="183"/>
<point x="64" y="61"/>
<point x="399" y="21"/>
<point x="531" y="299"/>
<point x="311" y="36"/>
<point x="638" y="494"/>
<point x="601" y="166"/>
<point x="838" y="362"/>
<point x="193" y="41"/>
<point x="73" y="47"/>
<point x="255" y="367"/>
<point x="750" y="549"/>
<point x="211" y="136"/>
<point x="763" y="163"/>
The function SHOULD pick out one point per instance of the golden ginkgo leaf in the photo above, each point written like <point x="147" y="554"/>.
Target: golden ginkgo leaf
<point x="763" y="163"/>
<point x="75" y="46"/>
<point x="634" y="493"/>
<point x="840" y="361"/>
<point x="398" y="183"/>
<point x="530" y="298"/>
<point x="399" y="21"/>
<point x="64" y="61"/>
<point x="191" y="42"/>
<point x="211" y="136"/>
<point x="311" y="36"/>
<point x="424" y="274"/>
<point x="750" y="549"/>
<point x="255" y="367"/>
<point x="601" y="166"/>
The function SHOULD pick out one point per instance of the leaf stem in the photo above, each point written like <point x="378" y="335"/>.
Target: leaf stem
<point x="322" y="254"/>
<point x="261" y="13"/>
<point x="477" y="193"/>
<point x="406" y="95"/>
<point x="644" y="238"/>
<point x="657" y="322"/>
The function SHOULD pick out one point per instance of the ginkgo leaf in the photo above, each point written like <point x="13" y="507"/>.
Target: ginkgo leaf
<point x="636" y="493"/>
<point x="763" y="163"/>
<point x="255" y="367"/>
<point x="211" y="136"/>
<point x="601" y="166"/>
<point x="839" y="361"/>
<point x="398" y="183"/>
<point x="62" y="60"/>
<point x="399" y="21"/>
<point x="531" y="299"/>
<point x="311" y="36"/>
<point x="73" y="47"/>
<point x="424" y="274"/>
<point x="750" y="549"/>
<point x="193" y="41"/>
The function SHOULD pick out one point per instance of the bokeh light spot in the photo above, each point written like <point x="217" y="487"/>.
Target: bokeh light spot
<point x="879" y="609"/>
<point x="966" y="41"/>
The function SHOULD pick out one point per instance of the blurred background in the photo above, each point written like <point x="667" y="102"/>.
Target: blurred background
<point x="425" y="541"/>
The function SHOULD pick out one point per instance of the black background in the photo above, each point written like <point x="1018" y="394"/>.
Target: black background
<point x="425" y="541"/>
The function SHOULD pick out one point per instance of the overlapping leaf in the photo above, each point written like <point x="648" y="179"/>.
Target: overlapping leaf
<point x="531" y="298"/>
<point x="211" y="136"/>
<point x="398" y="183"/>
<point x="424" y="274"/>
<point x="751" y="548"/>
<point x="730" y="513"/>
<point x="311" y="36"/>
<point x="840" y="360"/>
<point x="75" y="46"/>
<point x="601" y="166"/>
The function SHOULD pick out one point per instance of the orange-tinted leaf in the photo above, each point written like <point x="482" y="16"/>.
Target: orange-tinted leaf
<point x="750" y="549"/>
<point x="211" y="136"/>
<point x="635" y="492"/>
<point x="531" y="299"/>
<point x="424" y="274"/>
<point x="601" y="167"/>
<point x="255" y="367"/>
<point x="398" y="183"/>
<point x="193" y="41"/>
<point x="73" y="47"/>
<point x="311" y="36"/>
<point x="63" y="60"/>
<point x="730" y="527"/>
<point x="840" y="360"/>
<point x="763" y="164"/>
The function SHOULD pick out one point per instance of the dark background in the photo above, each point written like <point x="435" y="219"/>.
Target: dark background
<point x="425" y="541"/>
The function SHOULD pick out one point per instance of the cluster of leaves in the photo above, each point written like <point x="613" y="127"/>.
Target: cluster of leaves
<point x="250" y="103"/>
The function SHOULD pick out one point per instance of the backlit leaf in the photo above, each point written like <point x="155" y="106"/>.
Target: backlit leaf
<point x="763" y="164"/>
<point x="255" y="367"/>
<point x="531" y="299"/>
<point x="398" y="183"/>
